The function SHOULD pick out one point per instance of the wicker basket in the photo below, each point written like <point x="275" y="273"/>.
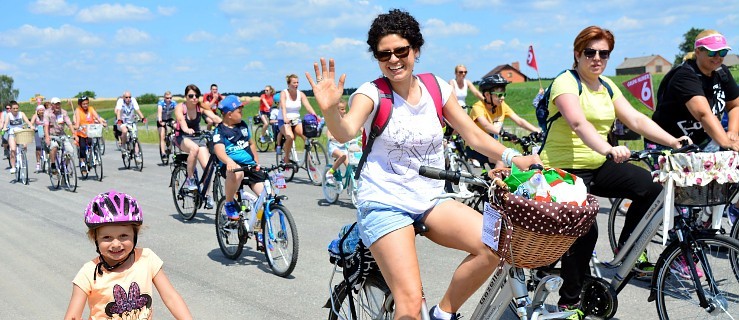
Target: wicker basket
<point x="530" y="248"/>
<point x="24" y="136"/>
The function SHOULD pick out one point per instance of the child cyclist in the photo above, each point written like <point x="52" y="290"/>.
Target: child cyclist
<point x="337" y="150"/>
<point x="235" y="148"/>
<point x="118" y="283"/>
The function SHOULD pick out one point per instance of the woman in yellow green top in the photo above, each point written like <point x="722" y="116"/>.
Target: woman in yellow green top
<point x="490" y="113"/>
<point x="577" y="143"/>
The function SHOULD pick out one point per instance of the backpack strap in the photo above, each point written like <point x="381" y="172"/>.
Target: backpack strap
<point x="385" y="110"/>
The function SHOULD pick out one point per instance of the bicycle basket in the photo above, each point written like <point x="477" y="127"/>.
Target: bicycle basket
<point x="348" y="252"/>
<point x="94" y="130"/>
<point x="23" y="136"/>
<point x="547" y="229"/>
<point x="702" y="178"/>
<point x="310" y="126"/>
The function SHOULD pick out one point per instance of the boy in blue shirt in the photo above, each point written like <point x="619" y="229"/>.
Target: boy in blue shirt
<point x="235" y="149"/>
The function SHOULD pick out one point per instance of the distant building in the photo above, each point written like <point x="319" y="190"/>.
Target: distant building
<point x="732" y="60"/>
<point x="510" y="72"/>
<point x="654" y="64"/>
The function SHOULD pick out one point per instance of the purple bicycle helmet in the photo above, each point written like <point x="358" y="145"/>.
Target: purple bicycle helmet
<point x="113" y="208"/>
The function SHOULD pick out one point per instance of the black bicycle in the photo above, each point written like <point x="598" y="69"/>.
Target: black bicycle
<point x="188" y="202"/>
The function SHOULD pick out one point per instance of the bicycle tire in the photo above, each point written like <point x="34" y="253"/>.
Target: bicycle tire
<point x="616" y="218"/>
<point x="230" y="234"/>
<point x="462" y="166"/>
<point x="218" y="189"/>
<point x="372" y="301"/>
<point x="86" y="174"/>
<point x="70" y="173"/>
<point x="283" y="245"/>
<point x="55" y="179"/>
<point x="24" y="167"/>
<point x="126" y="155"/>
<point x="101" y="143"/>
<point x="289" y="173"/>
<point x="138" y="157"/>
<point x="184" y="200"/>
<point x="598" y="298"/>
<point x="98" y="162"/>
<point x="258" y="133"/>
<point x="315" y="159"/>
<point x="331" y="192"/>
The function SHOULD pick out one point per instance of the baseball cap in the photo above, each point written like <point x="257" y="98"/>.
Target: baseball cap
<point x="714" y="42"/>
<point x="229" y="104"/>
<point x="55" y="100"/>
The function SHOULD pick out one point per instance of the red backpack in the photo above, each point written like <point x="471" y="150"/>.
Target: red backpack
<point x="385" y="110"/>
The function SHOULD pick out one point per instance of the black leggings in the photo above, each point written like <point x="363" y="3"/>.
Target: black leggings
<point x="611" y="180"/>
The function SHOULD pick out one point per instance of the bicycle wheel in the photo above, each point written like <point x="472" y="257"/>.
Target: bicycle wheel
<point x="55" y="179"/>
<point x="599" y="299"/>
<point x="352" y="188"/>
<point x="676" y="292"/>
<point x="314" y="161"/>
<point x="70" y="173"/>
<point x="85" y="174"/>
<point x="23" y="168"/>
<point x="231" y="235"/>
<point x="98" y="162"/>
<point x="372" y="301"/>
<point x="218" y="189"/>
<point x="462" y="166"/>
<point x="331" y="192"/>
<point x="280" y="238"/>
<point x="101" y="143"/>
<point x="258" y="133"/>
<point x="289" y="173"/>
<point x="184" y="200"/>
<point x="616" y="219"/>
<point x="126" y="155"/>
<point x="138" y="156"/>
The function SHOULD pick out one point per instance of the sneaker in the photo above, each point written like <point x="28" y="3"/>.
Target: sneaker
<point x="191" y="184"/>
<point x="433" y="311"/>
<point x="680" y="268"/>
<point x="262" y="139"/>
<point x="232" y="211"/>
<point x="330" y="179"/>
<point x="643" y="263"/>
<point x="38" y="167"/>
<point x="475" y="163"/>
<point x="733" y="213"/>
<point x="208" y="202"/>
<point x="53" y="169"/>
<point x="12" y="170"/>
<point x="578" y="315"/>
<point x="83" y="168"/>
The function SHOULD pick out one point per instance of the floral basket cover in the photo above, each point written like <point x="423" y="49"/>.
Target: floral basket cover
<point x="683" y="170"/>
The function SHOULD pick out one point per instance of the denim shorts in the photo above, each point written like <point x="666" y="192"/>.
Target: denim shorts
<point x="378" y="219"/>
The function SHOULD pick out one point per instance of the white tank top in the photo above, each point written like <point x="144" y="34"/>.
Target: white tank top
<point x="461" y="92"/>
<point x="15" y="122"/>
<point x="292" y="107"/>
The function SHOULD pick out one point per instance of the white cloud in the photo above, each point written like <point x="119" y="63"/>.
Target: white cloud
<point x="198" y="36"/>
<point x="137" y="58"/>
<point x="432" y="2"/>
<point x="34" y="37"/>
<point x="166" y="11"/>
<point x="494" y="45"/>
<point x="293" y="48"/>
<point x="436" y="27"/>
<point x="113" y="12"/>
<point x="626" y="23"/>
<point x="341" y="44"/>
<point x="52" y="7"/>
<point x="479" y="4"/>
<point x="545" y="4"/>
<point x="729" y="20"/>
<point x="4" y="66"/>
<point x="254" y="66"/>
<point x="131" y="35"/>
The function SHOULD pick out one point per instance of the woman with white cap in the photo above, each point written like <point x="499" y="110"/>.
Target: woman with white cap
<point x="694" y="96"/>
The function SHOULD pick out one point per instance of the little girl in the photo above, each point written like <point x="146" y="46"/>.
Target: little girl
<point x="117" y="284"/>
<point x="38" y="121"/>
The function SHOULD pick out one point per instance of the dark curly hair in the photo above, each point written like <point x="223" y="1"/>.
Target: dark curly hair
<point x="395" y="22"/>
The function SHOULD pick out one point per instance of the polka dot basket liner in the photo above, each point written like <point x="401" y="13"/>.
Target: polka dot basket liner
<point x="538" y="233"/>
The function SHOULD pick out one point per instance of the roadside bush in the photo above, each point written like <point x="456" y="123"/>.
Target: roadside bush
<point x="147" y="98"/>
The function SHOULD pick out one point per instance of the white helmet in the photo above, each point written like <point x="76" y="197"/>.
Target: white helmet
<point x="55" y="100"/>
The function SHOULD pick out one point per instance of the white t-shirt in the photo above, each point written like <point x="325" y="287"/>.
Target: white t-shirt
<point x="292" y="107"/>
<point x="127" y="110"/>
<point x="412" y="138"/>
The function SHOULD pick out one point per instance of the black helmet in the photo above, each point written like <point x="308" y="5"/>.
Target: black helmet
<point x="82" y="98"/>
<point x="494" y="81"/>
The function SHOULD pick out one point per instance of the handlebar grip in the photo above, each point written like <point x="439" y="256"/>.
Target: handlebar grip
<point x="536" y="166"/>
<point x="439" y="174"/>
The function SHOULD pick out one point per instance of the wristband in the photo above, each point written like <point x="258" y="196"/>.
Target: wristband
<point x="508" y="155"/>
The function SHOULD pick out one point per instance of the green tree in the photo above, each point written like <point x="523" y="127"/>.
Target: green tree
<point x="87" y="93"/>
<point x="688" y="45"/>
<point x="147" y="98"/>
<point x="7" y="92"/>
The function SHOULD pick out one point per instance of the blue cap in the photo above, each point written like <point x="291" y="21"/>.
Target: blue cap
<point x="229" y="104"/>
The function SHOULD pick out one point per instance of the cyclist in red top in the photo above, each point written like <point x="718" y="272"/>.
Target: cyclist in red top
<point x="212" y="99"/>
<point x="266" y="101"/>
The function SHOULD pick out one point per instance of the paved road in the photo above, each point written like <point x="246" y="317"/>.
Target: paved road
<point x="42" y="236"/>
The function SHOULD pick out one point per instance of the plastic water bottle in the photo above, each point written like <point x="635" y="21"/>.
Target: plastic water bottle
<point x="247" y="199"/>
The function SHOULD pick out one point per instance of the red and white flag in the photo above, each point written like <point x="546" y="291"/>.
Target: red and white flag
<point x="641" y="88"/>
<point x="531" y="59"/>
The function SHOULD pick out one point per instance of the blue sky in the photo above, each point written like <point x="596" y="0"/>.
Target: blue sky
<point x="61" y="47"/>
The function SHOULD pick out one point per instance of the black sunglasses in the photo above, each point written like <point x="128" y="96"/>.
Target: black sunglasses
<point x="192" y="95"/>
<point x="462" y="72"/>
<point x="400" y="52"/>
<point x="590" y="53"/>
<point x="721" y="53"/>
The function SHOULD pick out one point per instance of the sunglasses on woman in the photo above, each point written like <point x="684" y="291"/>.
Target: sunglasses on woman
<point x="721" y="53"/>
<point x="192" y="96"/>
<point x="590" y="53"/>
<point x="400" y="52"/>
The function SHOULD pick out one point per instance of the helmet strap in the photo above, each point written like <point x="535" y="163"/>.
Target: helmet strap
<point x="104" y="264"/>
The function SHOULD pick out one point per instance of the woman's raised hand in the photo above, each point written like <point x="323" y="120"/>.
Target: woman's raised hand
<point x="327" y="92"/>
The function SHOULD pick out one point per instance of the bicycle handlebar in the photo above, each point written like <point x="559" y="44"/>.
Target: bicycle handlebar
<point x="451" y="176"/>
<point x="265" y="169"/>
<point x="645" y="154"/>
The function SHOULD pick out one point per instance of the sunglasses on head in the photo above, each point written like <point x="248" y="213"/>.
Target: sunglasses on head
<point x="400" y="52"/>
<point x="192" y="95"/>
<point x="721" y="53"/>
<point x="590" y="53"/>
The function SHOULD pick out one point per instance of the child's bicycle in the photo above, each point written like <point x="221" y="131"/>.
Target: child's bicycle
<point x="263" y="139"/>
<point x="265" y="218"/>
<point x="363" y="294"/>
<point x="344" y="176"/>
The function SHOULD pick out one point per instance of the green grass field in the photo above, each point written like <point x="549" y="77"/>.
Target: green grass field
<point x="519" y="97"/>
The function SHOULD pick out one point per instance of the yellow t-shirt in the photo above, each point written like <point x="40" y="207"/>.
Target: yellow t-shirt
<point x="479" y="110"/>
<point x="128" y="292"/>
<point x="563" y="148"/>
